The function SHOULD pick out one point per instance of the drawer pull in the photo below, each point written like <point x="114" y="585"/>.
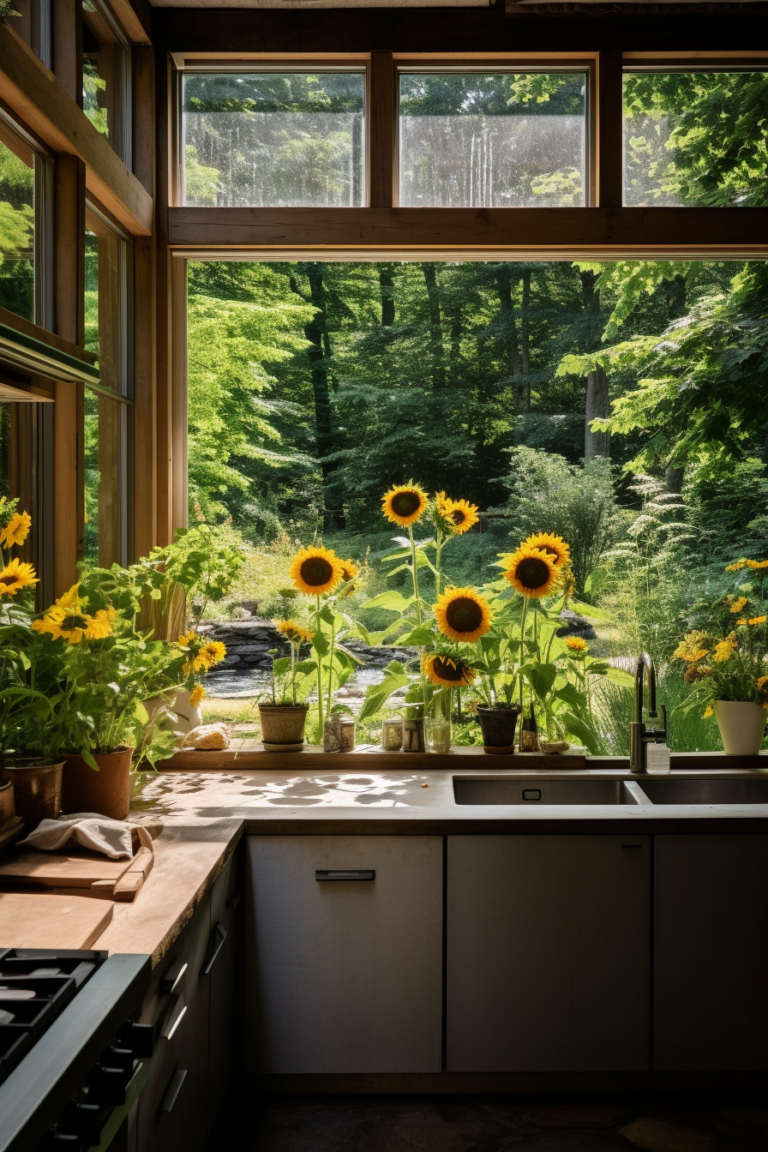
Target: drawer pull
<point x="175" y="1018"/>
<point x="219" y="936"/>
<point x="174" y="979"/>
<point x="174" y="1088"/>
<point x="323" y="874"/>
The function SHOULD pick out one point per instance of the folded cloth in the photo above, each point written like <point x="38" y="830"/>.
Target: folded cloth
<point x="113" y="838"/>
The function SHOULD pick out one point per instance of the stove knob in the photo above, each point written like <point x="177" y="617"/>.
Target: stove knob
<point x="139" y="1038"/>
<point x="83" y="1120"/>
<point x="107" y="1085"/>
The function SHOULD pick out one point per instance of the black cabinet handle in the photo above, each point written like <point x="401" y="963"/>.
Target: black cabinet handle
<point x="220" y="936"/>
<point x="174" y="1088"/>
<point x="323" y="874"/>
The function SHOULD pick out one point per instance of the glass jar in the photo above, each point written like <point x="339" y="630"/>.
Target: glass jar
<point x="392" y="734"/>
<point x="332" y="734"/>
<point x="348" y="734"/>
<point x="413" y="730"/>
<point x="438" y="734"/>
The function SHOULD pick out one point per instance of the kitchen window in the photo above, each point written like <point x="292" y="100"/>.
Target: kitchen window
<point x="107" y="76"/>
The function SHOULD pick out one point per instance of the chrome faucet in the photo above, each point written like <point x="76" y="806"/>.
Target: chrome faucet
<point x="640" y="736"/>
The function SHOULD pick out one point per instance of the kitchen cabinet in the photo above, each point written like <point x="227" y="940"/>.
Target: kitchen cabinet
<point x="710" y="945"/>
<point x="548" y="953"/>
<point x="344" y="975"/>
<point x="225" y="981"/>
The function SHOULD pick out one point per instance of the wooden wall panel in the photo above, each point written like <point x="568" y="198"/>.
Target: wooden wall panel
<point x="144" y="415"/>
<point x="164" y="428"/>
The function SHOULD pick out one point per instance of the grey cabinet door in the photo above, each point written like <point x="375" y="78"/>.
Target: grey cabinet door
<point x="344" y="976"/>
<point x="548" y="953"/>
<point x="224" y="993"/>
<point x="710" y="948"/>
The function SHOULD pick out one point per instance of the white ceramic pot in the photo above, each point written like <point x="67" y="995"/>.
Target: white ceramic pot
<point x="187" y="717"/>
<point x="741" y="726"/>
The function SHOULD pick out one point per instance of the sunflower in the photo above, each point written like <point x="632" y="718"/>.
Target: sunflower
<point x="708" y="711"/>
<point x="72" y="625"/>
<point x="462" y="614"/>
<point x="316" y="570"/>
<point x="16" y="531"/>
<point x="762" y="684"/>
<point x="15" y="576"/>
<point x="531" y="571"/>
<point x="738" y="604"/>
<point x="696" y="672"/>
<point x="554" y="546"/>
<point x="735" y="567"/>
<point x="757" y="563"/>
<point x="212" y="653"/>
<point x="196" y="695"/>
<point x="724" y="650"/>
<point x="349" y="570"/>
<point x="404" y="504"/>
<point x="462" y="514"/>
<point x="448" y="671"/>
<point x="757" y="620"/>
<point x="294" y="632"/>
<point x="691" y="647"/>
<point x="186" y="638"/>
<point x="576" y="644"/>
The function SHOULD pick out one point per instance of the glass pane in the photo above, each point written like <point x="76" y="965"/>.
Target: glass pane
<point x="103" y="465"/>
<point x="504" y="140"/>
<point x="17" y="225"/>
<point x="5" y="450"/>
<point x="106" y="76"/>
<point x="696" y="138"/>
<point x="105" y="305"/>
<point x="274" y="139"/>
<point x="92" y="478"/>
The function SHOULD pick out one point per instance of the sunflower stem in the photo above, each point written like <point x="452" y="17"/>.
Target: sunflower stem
<point x="330" y="669"/>
<point x="415" y="576"/>
<point x="319" y="679"/>
<point x="522" y="649"/>
<point x="438" y="551"/>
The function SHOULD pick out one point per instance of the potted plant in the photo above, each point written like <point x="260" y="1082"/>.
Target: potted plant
<point x="727" y="665"/>
<point x="283" y="714"/>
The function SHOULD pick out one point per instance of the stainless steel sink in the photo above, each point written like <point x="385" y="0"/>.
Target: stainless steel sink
<point x="530" y="791"/>
<point x="669" y="790"/>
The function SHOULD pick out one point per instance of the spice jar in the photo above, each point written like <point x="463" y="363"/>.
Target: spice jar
<point x="332" y="734"/>
<point x="392" y="734"/>
<point x="529" y="734"/>
<point x="413" y="731"/>
<point x="348" y="734"/>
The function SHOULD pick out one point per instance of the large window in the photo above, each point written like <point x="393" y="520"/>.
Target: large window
<point x="107" y="454"/>
<point x="17" y="224"/>
<point x="696" y="138"/>
<point x="107" y="76"/>
<point x="492" y="140"/>
<point x="32" y="21"/>
<point x="274" y="139"/>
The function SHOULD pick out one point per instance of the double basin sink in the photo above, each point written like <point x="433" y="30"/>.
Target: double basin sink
<point x="578" y="790"/>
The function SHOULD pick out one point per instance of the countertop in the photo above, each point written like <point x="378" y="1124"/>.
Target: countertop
<point x="199" y="817"/>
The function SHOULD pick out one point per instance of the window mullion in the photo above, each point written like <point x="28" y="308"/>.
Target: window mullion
<point x="609" y="141"/>
<point x="382" y="131"/>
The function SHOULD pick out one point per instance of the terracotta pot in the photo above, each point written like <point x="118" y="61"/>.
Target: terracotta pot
<point x="742" y="724"/>
<point x="107" y="791"/>
<point x="36" y="791"/>
<point x="283" y="723"/>
<point x="498" y="728"/>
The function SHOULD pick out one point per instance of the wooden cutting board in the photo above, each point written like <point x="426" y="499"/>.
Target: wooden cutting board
<point x="77" y="872"/>
<point x="29" y="920"/>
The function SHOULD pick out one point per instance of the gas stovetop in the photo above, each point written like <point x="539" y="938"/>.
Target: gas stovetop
<point x="35" y="987"/>
<point x="72" y="1057"/>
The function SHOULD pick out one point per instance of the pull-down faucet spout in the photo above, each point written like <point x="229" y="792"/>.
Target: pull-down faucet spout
<point x="639" y="735"/>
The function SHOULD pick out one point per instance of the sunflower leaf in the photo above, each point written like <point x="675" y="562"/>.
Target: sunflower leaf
<point x="577" y="727"/>
<point x="541" y="677"/>
<point x="390" y="601"/>
<point x="395" y="676"/>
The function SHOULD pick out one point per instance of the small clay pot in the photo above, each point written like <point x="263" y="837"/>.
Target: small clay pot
<point x="498" y="727"/>
<point x="283" y="723"/>
<point x="36" y="791"/>
<point x="107" y="791"/>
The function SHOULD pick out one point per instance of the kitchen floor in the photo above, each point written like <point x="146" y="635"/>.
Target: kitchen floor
<point x="493" y="1123"/>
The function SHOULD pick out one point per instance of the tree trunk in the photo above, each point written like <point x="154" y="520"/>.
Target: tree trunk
<point x="674" y="478"/>
<point x="525" y="336"/>
<point x="596" y="443"/>
<point x="435" y="327"/>
<point x="676" y="293"/>
<point x="387" y="290"/>
<point x="318" y="353"/>
<point x="509" y="336"/>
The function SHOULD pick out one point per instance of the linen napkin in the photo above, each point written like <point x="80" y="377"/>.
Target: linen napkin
<point x="113" y="838"/>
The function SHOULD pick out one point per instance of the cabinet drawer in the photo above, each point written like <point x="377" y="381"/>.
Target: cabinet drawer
<point x="344" y="974"/>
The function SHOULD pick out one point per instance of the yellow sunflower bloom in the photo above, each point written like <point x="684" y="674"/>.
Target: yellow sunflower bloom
<point x="742" y="621"/>
<point x="404" y="504"/>
<point x="186" y="638"/>
<point x="554" y="546"/>
<point x="15" y="576"/>
<point x="448" y="671"/>
<point x="349" y="570"/>
<point x="462" y="514"/>
<point x="196" y="695"/>
<point x="735" y="567"/>
<point x="691" y="647"/>
<point x="316" y="570"/>
<point x="696" y="672"/>
<point x="294" y="632"/>
<point x="70" y="598"/>
<point x="213" y="652"/>
<point x="462" y="614"/>
<point x="576" y="644"/>
<point x="708" y="711"/>
<point x="16" y="531"/>
<point x="72" y="625"/>
<point x="757" y="620"/>
<point x="724" y="650"/>
<point x="531" y="572"/>
<point x="757" y="564"/>
<point x="762" y="684"/>
<point x="738" y="604"/>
